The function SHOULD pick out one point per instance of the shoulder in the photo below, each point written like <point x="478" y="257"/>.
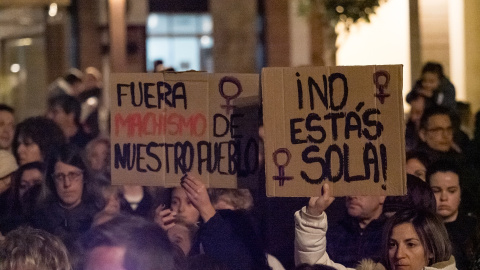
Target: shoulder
<point x="445" y="265"/>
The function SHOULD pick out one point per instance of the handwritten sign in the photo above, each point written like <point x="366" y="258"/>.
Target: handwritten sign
<point x="340" y="124"/>
<point x="166" y="124"/>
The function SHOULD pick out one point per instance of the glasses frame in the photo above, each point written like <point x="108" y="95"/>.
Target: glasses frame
<point x="72" y="176"/>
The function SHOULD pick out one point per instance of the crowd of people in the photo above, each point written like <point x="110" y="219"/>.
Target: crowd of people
<point x="59" y="209"/>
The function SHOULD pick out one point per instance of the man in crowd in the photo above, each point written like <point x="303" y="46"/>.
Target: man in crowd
<point x="65" y="111"/>
<point x="7" y="127"/>
<point x="436" y="133"/>
<point x="358" y="235"/>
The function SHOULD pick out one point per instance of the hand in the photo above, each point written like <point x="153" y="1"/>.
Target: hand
<point x="164" y="217"/>
<point x="317" y="205"/>
<point x="197" y="194"/>
<point x="425" y="93"/>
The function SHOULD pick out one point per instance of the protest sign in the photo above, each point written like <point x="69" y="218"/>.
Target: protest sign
<point x="164" y="125"/>
<point x="339" y="124"/>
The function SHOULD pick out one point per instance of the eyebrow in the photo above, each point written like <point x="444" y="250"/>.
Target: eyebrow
<point x="412" y="239"/>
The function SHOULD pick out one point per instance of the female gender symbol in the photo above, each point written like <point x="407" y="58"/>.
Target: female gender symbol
<point x="281" y="168"/>
<point x="381" y="95"/>
<point x="237" y="83"/>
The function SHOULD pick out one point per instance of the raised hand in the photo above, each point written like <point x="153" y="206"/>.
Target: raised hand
<point x="317" y="205"/>
<point x="197" y="194"/>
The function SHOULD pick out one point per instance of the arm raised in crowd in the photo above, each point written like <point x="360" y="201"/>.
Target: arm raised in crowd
<point x="225" y="235"/>
<point x="310" y="232"/>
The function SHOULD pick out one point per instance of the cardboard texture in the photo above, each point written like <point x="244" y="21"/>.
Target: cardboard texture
<point x="166" y="124"/>
<point x="339" y="124"/>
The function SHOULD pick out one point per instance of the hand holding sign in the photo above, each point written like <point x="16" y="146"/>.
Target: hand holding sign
<point x="197" y="194"/>
<point x="317" y="205"/>
<point x="342" y="125"/>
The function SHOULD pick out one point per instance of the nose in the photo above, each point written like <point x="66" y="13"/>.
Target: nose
<point x="21" y="148"/>
<point x="400" y="252"/>
<point x="66" y="182"/>
<point x="443" y="196"/>
<point x="181" y="207"/>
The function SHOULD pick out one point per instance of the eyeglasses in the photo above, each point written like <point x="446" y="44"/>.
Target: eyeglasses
<point x="439" y="130"/>
<point x="72" y="176"/>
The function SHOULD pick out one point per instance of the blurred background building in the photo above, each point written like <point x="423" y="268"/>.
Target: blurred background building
<point x="41" y="39"/>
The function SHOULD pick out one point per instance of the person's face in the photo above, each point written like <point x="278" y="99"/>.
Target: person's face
<point x="69" y="184"/>
<point x="405" y="250"/>
<point x="365" y="207"/>
<point x="416" y="110"/>
<point x="446" y="187"/>
<point x="105" y="258"/>
<point x="184" y="207"/>
<point x="28" y="151"/>
<point x="7" y="129"/>
<point x="438" y="133"/>
<point x="112" y="202"/>
<point x="98" y="156"/>
<point x="180" y="236"/>
<point x="430" y="81"/>
<point x="415" y="167"/>
<point x="29" y="179"/>
<point x="59" y="116"/>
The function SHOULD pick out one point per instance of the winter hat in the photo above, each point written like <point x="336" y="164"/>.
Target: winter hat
<point x="8" y="164"/>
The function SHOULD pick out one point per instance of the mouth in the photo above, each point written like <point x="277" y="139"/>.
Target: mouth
<point x="443" y="207"/>
<point x="353" y="205"/>
<point x="401" y="266"/>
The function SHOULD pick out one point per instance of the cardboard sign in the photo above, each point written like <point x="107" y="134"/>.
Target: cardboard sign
<point x="339" y="124"/>
<point x="166" y="124"/>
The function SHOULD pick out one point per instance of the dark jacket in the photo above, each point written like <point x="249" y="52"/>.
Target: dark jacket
<point x="68" y="224"/>
<point x="461" y="233"/>
<point x="230" y="238"/>
<point x="444" y="95"/>
<point x="348" y="244"/>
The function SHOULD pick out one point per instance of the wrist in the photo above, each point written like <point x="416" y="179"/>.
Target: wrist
<point x="207" y="213"/>
<point x="313" y="211"/>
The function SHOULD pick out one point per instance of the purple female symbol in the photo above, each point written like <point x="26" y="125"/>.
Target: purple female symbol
<point x="281" y="168"/>
<point x="237" y="83"/>
<point x="381" y="95"/>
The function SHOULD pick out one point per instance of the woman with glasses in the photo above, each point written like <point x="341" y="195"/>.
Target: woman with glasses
<point x="70" y="206"/>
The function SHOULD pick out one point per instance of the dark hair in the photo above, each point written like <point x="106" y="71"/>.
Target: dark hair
<point x="73" y="76"/>
<point x="433" y="67"/>
<point x="36" y="165"/>
<point x="5" y="107"/>
<point x="414" y="95"/>
<point x="420" y="156"/>
<point x="70" y="154"/>
<point x="432" y="111"/>
<point x="147" y="245"/>
<point x="42" y="131"/>
<point x="419" y="195"/>
<point x="443" y="165"/>
<point x="430" y="230"/>
<point x="69" y="104"/>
